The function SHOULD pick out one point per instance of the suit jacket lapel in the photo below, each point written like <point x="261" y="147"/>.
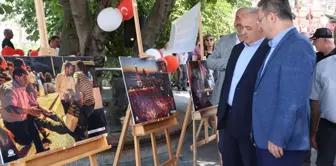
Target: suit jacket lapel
<point x="274" y="53"/>
<point x="233" y="59"/>
<point x="261" y="53"/>
<point x="232" y="64"/>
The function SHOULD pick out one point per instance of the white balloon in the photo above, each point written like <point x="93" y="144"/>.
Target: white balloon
<point x="109" y="19"/>
<point x="154" y="52"/>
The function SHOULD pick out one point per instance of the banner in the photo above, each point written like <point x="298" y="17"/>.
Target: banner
<point x="183" y="34"/>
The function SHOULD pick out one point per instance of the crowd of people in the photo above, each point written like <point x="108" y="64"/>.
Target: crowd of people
<point x="25" y="121"/>
<point x="8" y="48"/>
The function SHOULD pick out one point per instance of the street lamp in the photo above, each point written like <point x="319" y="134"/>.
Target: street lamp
<point x="324" y="20"/>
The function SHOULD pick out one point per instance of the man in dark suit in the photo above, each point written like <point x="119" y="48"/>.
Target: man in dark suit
<point x="281" y="96"/>
<point x="235" y="106"/>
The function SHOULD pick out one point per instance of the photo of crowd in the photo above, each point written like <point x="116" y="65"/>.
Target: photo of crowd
<point x="149" y="89"/>
<point x="45" y="110"/>
<point x="202" y="82"/>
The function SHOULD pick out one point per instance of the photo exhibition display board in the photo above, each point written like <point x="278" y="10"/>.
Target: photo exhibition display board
<point x="201" y="80"/>
<point x="149" y="89"/>
<point x="65" y="95"/>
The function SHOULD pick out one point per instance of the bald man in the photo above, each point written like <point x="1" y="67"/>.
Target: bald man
<point x="235" y="105"/>
<point x="219" y="58"/>
<point x="8" y="36"/>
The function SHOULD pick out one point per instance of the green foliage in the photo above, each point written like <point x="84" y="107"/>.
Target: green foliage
<point x="217" y="18"/>
<point x="26" y="10"/>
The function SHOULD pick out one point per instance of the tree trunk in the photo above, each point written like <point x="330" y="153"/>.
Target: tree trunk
<point x="70" y="41"/>
<point x="95" y="45"/>
<point x="91" y="37"/>
<point x="156" y="21"/>
<point x="83" y="21"/>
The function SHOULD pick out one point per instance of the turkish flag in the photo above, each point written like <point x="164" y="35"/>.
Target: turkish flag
<point x="126" y="9"/>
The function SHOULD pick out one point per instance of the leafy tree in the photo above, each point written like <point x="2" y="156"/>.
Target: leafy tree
<point x="76" y="21"/>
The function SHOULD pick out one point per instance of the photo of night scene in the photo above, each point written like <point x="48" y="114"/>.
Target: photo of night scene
<point x="202" y="82"/>
<point x="149" y="89"/>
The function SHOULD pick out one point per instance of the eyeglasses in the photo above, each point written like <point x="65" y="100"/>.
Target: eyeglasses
<point x="260" y="19"/>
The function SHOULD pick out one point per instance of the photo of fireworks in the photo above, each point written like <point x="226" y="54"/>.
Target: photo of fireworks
<point x="202" y="82"/>
<point x="149" y="89"/>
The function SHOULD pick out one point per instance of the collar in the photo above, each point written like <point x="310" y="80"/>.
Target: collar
<point x="16" y="85"/>
<point x="256" y="43"/>
<point x="276" y="40"/>
<point x="333" y="52"/>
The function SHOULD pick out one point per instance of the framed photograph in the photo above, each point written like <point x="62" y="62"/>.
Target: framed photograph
<point x="65" y="93"/>
<point x="149" y="89"/>
<point x="201" y="81"/>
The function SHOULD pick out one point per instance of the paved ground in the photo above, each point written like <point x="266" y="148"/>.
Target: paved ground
<point x="207" y="155"/>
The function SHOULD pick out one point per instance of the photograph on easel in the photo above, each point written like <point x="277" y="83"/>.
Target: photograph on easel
<point x="148" y="88"/>
<point x="202" y="82"/>
<point x="47" y="103"/>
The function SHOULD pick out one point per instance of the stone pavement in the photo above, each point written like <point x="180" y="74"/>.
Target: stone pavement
<point x="207" y="154"/>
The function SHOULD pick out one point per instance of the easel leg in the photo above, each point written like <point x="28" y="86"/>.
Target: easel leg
<point x="206" y="130"/>
<point x="194" y="143"/>
<point x="170" y="151"/>
<point x="122" y="136"/>
<point x="184" y="129"/>
<point x="137" y="151"/>
<point x="93" y="160"/>
<point x="199" y="128"/>
<point x="155" y="153"/>
<point x="217" y="139"/>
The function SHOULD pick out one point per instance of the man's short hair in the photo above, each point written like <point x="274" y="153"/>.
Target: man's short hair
<point x="251" y="10"/>
<point x="81" y="66"/>
<point x="18" y="71"/>
<point x="10" y="64"/>
<point x="18" y="62"/>
<point x="67" y="65"/>
<point x="53" y="38"/>
<point x="6" y="31"/>
<point x="280" y="7"/>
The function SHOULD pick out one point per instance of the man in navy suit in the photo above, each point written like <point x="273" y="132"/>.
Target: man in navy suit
<point x="235" y="106"/>
<point x="281" y="110"/>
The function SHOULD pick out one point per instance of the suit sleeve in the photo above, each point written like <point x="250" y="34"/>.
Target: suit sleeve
<point x="294" y="90"/>
<point x="218" y="60"/>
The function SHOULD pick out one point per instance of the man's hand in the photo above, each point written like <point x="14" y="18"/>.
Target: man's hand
<point x="34" y="111"/>
<point x="313" y="141"/>
<point x="45" y="111"/>
<point x="276" y="151"/>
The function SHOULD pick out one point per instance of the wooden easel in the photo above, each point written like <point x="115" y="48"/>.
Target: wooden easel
<point x="45" y="49"/>
<point x="200" y="115"/>
<point x="64" y="155"/>
<point x="150" y="128"/>
<point x="61" y="156"/>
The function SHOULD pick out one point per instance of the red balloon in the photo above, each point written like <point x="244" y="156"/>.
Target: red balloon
<point x="126" y="9"/>
<point x="172" y="63"/>
<point x="7" y="51"/>
<point x="19" y="52"/>
<point x="34" y="53"/>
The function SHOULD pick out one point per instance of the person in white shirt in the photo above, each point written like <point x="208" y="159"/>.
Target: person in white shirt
<point x="55" y="43"/>
<point x="323" y="112"/>
<point x="65" y="84"/>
